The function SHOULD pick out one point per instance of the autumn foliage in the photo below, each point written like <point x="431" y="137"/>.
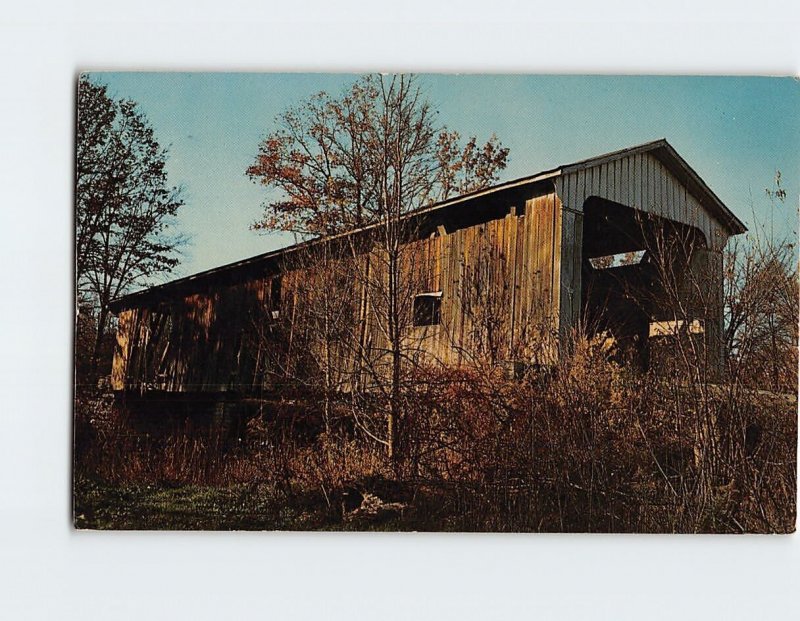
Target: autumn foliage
<point x="376" y="151"/>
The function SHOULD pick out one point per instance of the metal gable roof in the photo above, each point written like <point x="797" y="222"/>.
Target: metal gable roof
<point x="667" y="155"/>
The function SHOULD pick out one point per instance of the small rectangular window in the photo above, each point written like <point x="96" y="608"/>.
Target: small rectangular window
<point x="428" y="309"/>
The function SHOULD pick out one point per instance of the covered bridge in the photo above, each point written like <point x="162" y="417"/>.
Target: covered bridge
<point x="502" y="274"/>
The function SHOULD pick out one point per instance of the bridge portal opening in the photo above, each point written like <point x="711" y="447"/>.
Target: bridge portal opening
<point x="637" y="280"/>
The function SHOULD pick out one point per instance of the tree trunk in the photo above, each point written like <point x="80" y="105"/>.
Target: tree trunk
<point x="395" y="336"/>
<point x="98" y="340"/>
<point x="328" y="388"/>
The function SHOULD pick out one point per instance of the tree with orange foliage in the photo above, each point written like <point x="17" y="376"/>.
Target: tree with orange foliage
<point x="373" y="153"/>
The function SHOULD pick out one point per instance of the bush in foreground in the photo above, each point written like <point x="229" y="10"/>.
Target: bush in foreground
<point x="588" y="446"/>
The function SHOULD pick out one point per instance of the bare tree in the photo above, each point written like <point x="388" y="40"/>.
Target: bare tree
<point x="368" y="158"/>
<point x="319" y="312"/>
<point x="123" y="203"/>
<point x="761" y="303"/>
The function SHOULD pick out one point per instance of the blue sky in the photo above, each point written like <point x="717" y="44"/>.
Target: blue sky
<point x="734" y="131"/>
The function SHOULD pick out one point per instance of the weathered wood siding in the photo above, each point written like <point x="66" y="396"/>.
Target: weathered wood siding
<point x="500" y="282"/>
<point x="201" y="342"/>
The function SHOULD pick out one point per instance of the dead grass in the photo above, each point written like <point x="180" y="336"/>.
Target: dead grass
<point x="586" y="447"/>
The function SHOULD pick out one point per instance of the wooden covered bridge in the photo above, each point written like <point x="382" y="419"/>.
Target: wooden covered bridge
<point x="500" y="275"/>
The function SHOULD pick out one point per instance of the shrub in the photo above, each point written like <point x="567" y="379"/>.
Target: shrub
<point x="586" y="446"/>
